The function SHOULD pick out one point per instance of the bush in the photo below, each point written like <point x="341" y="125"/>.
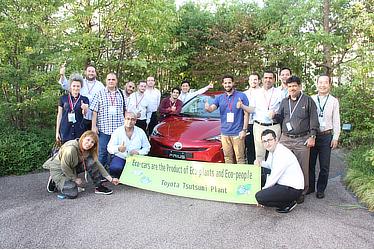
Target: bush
<point x="360" y="175"/>
<point x="23" y="151"/>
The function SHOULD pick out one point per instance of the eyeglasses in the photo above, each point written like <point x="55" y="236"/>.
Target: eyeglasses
<point x="130" y="119"/>
<point x="268" y="140"/>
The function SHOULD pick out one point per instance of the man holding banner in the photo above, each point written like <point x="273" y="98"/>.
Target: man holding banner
<point x="285" y="183"/>
<point x="126" y="140"/>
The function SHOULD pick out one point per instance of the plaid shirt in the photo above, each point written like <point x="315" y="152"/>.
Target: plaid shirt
<point x="107" y="123"/>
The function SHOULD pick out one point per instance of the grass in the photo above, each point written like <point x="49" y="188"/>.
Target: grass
<point x="360" y="175"/>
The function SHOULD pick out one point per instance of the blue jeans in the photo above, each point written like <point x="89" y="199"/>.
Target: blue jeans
<point x="322" y="150"/>
<point x="103" y="152"/>
<point x="116" y="166"/>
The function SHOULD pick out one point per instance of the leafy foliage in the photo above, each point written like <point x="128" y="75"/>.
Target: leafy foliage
<point x="23" y="151"/>
<point x="356" y="109"/>
<point x="360" y="175"/>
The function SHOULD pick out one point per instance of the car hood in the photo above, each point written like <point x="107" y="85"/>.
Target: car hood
<point x="186" y="128"/>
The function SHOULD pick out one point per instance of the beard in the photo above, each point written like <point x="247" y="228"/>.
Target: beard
<point x="229" y="90"/>
<point x="90" y="78"/>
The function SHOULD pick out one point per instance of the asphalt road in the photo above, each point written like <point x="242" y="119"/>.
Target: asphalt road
<point x="133" y="218"/>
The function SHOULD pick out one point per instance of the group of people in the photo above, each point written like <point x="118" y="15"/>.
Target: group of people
<point x="283" y="130"/>
<point x="117" y="122"/>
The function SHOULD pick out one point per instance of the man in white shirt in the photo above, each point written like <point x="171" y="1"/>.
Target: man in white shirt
<point x="254" y="84"/>
<point x="266" y="102"/>
<point x="128" y="90"/>
<point x="153" y="96"/>
<point x="139" y="104"/>
<point x="186" y="95"/>
<point x="89" y="88"/>
<point x="285" y="183"/>
<point x="284" y="74"/>
<point x="125" y="141"/>
<point x="327" y="138"/>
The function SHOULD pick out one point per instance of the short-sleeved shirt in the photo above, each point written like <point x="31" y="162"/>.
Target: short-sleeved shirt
<point x="89" y="89"/>
<point x="102" y="102"/>
<point x="227" y="104"/>
<point x="69" y="130"/>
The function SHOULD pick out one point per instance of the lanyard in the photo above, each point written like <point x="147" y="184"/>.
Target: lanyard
<point x="88" y="87"/>
<point x="230" y="102"/>
<point x="85" y="169"/>
<point x="71" y="103"/>
<point x="270" y="97"/>
<point x="289" y="105"/>
<point x="322" y="109"/>
<point x="136" y="100"/>
<point x="113" y="100"/>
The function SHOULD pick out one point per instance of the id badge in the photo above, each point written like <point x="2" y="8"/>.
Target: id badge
<point x="71" y="117"/>
<point x="322" y="122"/>
<point x="230" y="117"/>
<point x="112" y="110"/>
<point x="288" y="125"/>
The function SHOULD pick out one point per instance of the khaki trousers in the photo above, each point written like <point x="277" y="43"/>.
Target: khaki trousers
<point x="233" y="149"/>
<point x="302" y="153"/>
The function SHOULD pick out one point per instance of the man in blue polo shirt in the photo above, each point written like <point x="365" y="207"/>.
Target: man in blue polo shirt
<point x="234" y="121"/>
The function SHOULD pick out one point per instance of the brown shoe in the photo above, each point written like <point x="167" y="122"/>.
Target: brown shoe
<point x="300" y="199"/>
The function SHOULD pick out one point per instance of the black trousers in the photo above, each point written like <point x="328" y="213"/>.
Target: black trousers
<point x="279" y="196"/>
<point x="322" y="150"/>
<point x="142" y="124"/>
<point x="88" y="124"/>
<point x="152" y="123"/>
<point x="250" y="145"/>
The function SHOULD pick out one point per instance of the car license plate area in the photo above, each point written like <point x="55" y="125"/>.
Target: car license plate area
<point x="178" y="155"/>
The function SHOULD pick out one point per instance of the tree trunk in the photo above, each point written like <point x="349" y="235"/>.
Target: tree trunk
<point x="326" y="47"/>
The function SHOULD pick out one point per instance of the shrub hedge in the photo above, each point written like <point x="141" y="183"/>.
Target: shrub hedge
<point x="23" y="151"/>
<point x="360" y="174"/>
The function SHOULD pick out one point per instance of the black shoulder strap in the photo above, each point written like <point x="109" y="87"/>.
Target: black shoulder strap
<point x="124" y="103"/>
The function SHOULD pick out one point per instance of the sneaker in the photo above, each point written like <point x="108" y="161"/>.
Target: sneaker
<point x="102" y="180"/>
<point x="51" y="185"/>
<point x="103" y="190"/>
<point x="287" y="209"/>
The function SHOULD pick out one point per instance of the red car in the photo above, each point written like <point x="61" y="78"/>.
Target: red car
<point x="193" y="135"/>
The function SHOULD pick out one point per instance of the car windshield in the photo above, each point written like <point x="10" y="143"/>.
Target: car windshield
<point x="195" y="107"/>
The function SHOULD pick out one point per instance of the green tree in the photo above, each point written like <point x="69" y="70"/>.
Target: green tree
<point x="28" y="41"/>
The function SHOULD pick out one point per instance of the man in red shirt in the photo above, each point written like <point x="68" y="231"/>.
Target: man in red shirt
<point x="171" y="105"/>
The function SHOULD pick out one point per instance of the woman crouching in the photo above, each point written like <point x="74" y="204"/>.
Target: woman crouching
<point x="74" y="157"/>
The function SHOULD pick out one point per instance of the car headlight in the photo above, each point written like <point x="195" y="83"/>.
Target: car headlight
<point x="155" y="130"/>
<point x="214" y="138"/>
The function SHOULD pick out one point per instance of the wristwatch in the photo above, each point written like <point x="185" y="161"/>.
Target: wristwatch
<point x="244" y="129"/>
<point x="313" y="136"/>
